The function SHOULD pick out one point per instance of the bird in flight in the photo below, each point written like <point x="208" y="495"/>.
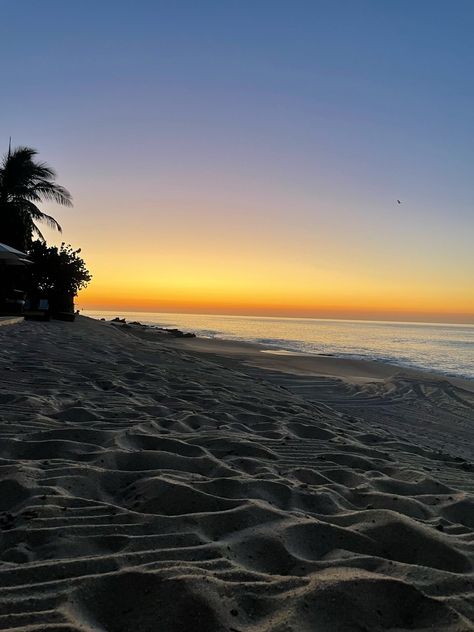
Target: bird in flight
<point x="399" y="201"/>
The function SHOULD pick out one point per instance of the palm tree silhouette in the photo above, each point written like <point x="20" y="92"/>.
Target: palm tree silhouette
<point x="24" y="183"/>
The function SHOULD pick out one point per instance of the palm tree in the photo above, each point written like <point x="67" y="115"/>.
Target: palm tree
<point x="24" y="183"/>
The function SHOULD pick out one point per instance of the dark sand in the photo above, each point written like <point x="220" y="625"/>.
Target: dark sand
<point x="152" y="484"/>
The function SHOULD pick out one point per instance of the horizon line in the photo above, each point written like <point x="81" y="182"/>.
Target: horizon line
<point x="380" y="319"/>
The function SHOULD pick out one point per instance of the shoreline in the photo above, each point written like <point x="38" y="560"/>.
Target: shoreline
<point x="368" y="353"/>
<point x="445" y="361"/>
<point x="356" y="371"/>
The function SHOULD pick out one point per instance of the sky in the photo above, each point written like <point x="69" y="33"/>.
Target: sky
<point x="247" y="157"/>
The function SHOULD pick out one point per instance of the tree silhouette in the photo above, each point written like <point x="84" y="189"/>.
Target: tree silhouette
<point x="25" y="183"/>
<point x="56" y="274"/>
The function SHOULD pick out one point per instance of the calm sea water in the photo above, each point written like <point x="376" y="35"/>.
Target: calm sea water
<point x="442" y="348"/>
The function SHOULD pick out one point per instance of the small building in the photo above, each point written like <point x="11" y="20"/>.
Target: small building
<point x="13" y="265"/>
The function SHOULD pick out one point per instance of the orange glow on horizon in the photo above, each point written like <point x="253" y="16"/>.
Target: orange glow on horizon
<point x="234" y="264"/>
<point x="268" y="304"/>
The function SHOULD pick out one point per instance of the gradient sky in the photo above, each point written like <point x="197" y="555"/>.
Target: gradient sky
<point x="246" y="157"/>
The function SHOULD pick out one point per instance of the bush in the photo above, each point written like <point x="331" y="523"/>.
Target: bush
<point x="56" y="274"/>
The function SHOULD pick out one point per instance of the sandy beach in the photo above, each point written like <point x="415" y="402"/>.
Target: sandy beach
<point x="151" y="483"/>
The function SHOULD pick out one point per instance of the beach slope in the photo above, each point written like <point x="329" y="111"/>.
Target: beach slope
<point x="148" y="486"/>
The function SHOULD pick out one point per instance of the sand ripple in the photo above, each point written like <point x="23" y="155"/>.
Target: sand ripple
<point x="144" y="488"/>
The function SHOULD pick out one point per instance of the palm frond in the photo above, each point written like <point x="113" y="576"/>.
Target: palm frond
<point x="19" y="154"/>
<point x="37" y="215"/>
<point x="50" y="221"/>
<point x="44" y="171"/>
<point x="25" y="183"/>
<point x="36" y="231"/>
<point x="55" y="192"/>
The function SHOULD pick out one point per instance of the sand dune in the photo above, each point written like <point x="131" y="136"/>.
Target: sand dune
<point x="147" y="485"/>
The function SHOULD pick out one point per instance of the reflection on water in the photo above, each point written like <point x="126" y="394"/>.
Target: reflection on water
<point x="444" y="348"/>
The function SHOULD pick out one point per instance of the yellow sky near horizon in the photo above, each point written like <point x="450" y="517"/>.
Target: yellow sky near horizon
<point x="207" y="247"/>
<point x="276" y="278"/>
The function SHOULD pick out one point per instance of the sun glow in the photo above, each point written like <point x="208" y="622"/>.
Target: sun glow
<point x="220" y="282"/>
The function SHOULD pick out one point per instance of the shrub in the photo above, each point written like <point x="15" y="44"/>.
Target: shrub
<point x="56" y="274"/>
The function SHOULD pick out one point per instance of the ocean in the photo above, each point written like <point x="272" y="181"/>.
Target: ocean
<point x="447" y="349"/>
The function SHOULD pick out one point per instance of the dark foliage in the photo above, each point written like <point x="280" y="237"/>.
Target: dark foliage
<point x="56" y="274"/>
<point x="25" y="183"/>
